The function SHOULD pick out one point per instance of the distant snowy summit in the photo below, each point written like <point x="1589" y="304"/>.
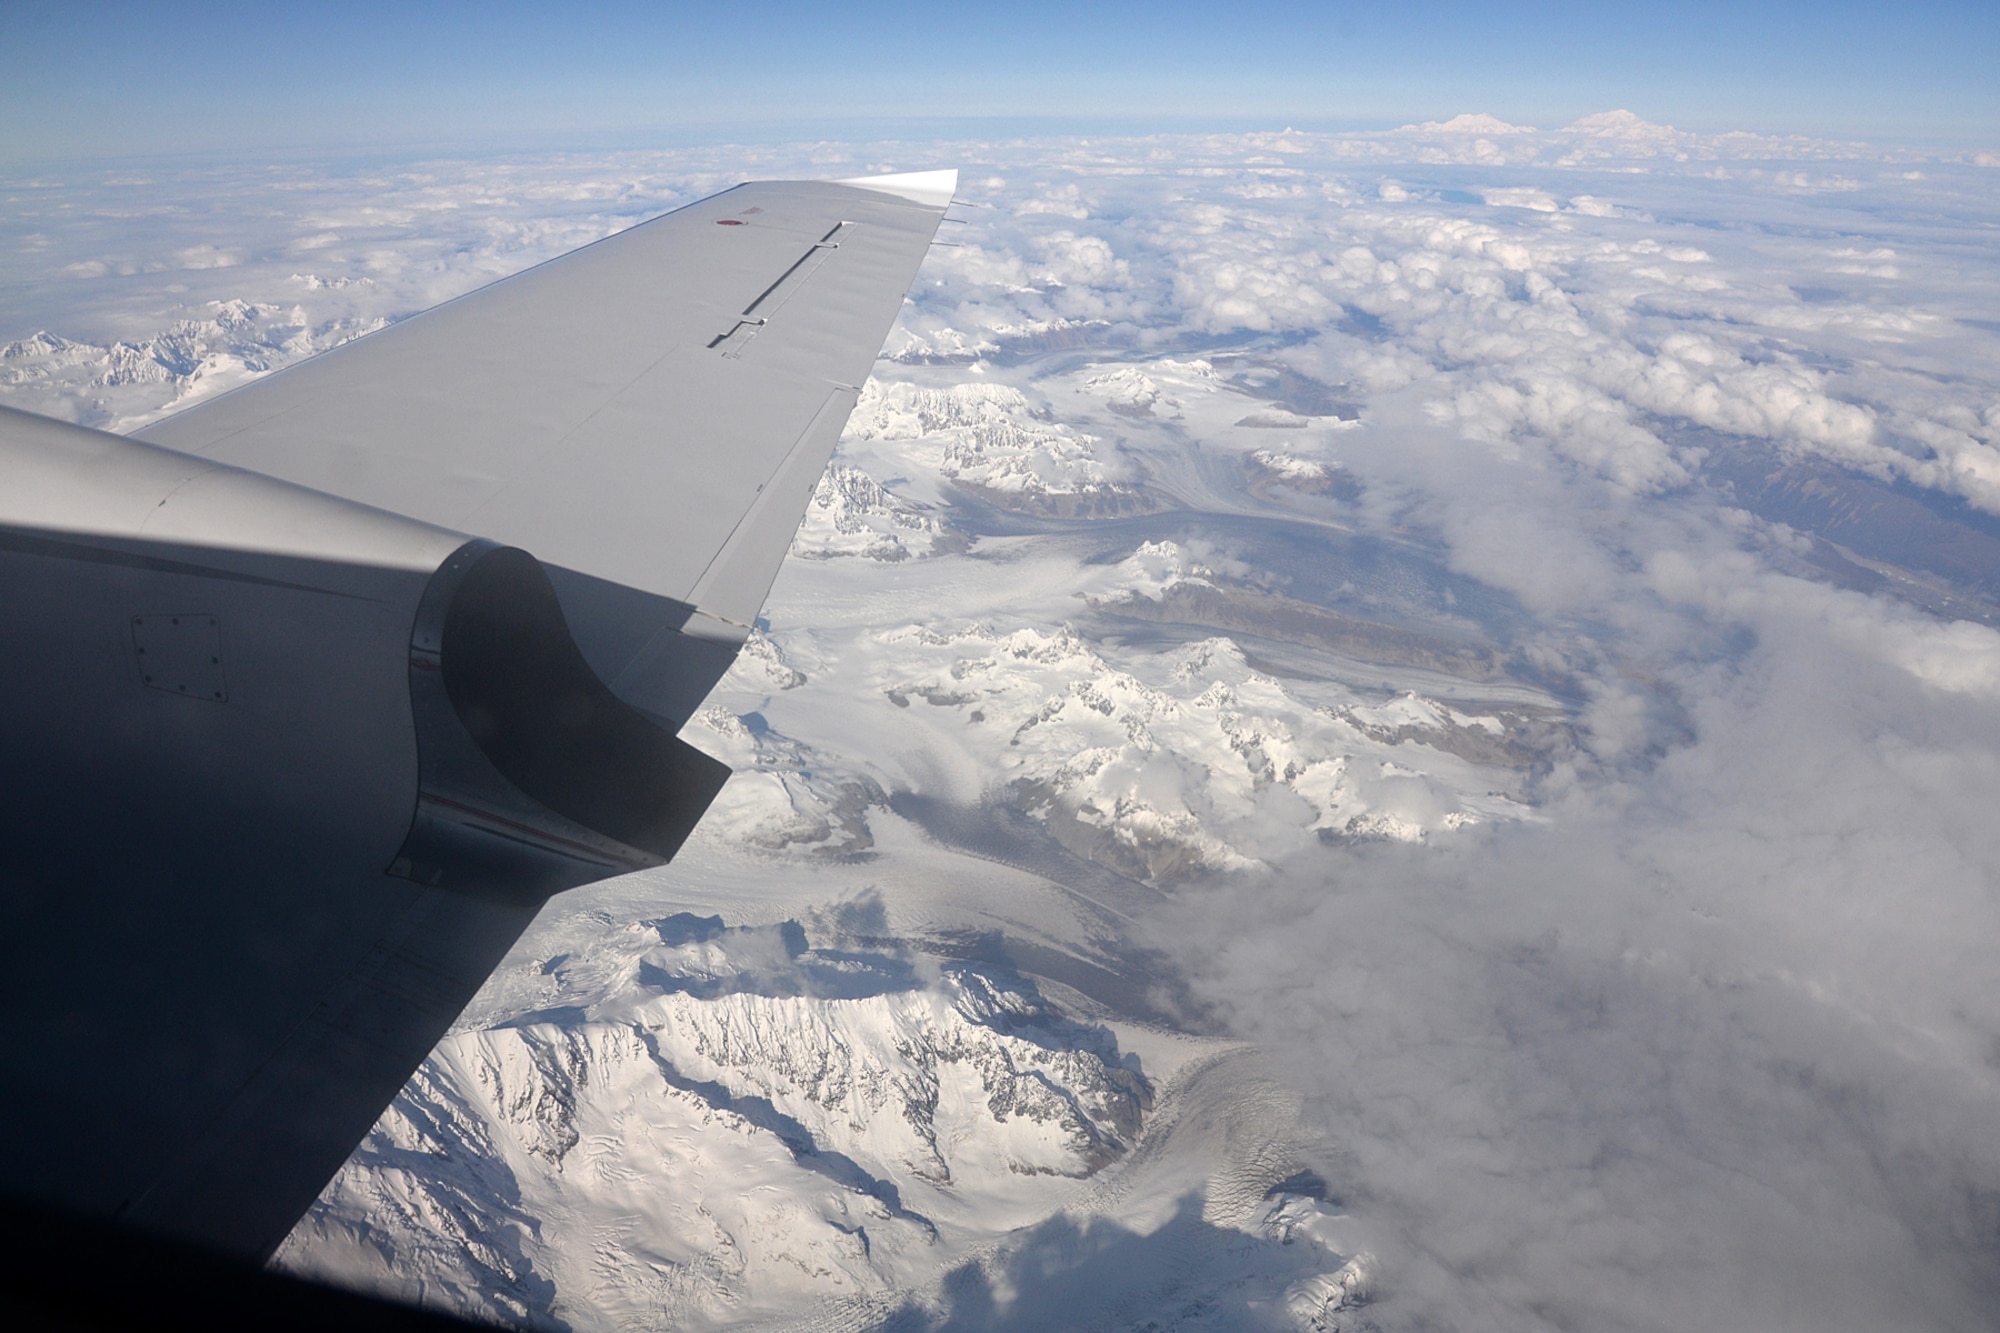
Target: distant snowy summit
<point x="1621" y="125"/>
<point x="1467" y="123"/>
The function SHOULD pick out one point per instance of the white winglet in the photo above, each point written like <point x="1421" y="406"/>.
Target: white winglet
<point x="931" y="188"/>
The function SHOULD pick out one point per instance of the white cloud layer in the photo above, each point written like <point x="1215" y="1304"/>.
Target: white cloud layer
<point x="1688" y="1021"/>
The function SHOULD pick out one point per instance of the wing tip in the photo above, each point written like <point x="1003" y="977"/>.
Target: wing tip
<point x="933" y="189"/>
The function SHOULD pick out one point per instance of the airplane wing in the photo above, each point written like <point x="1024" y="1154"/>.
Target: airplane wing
<point x="649" y="415"/>
<point x="316" y="691"/>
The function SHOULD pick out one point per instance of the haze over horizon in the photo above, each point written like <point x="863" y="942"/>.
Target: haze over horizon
<point x="119" y="79"/>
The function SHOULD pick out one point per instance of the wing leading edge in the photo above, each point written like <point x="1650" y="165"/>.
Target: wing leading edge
<point x="317" y="690"/>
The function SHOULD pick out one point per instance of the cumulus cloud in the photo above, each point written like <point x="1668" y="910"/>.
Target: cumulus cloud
<point x="1711" y="1039"/>
<point x="1714" y="1045"/>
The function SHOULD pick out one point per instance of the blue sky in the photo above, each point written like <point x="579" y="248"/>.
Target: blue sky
<point x="114" y="79"/>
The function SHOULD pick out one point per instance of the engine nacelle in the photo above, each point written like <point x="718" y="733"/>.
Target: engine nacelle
<point x="397" y="714"/>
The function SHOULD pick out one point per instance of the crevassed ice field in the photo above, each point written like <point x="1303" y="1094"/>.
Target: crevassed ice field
<point x="1367" y="732"/>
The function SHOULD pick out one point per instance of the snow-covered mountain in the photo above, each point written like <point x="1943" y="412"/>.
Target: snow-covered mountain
<point x="1501" y="617"/>
<point x="851" y="514"/>
<point x="989" y="439"/>
<point x="122" y="385"/>
<point x="709" y="1123"/>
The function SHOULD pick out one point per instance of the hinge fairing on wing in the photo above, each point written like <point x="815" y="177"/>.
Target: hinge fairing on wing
<point x="533" y="774"/>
